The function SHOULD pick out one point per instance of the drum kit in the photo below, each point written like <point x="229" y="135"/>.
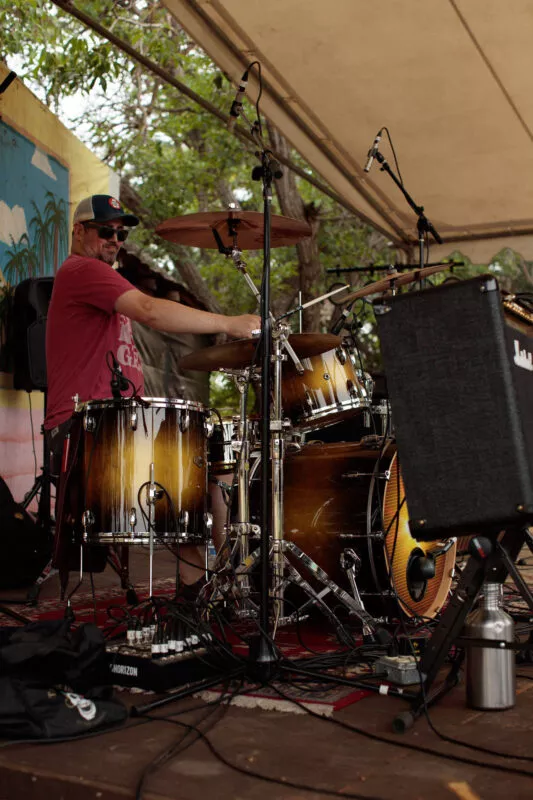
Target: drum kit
<point x="338" y="518"/>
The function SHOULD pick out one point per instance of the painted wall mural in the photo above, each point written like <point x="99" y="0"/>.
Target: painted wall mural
<point x="34" y="198"/>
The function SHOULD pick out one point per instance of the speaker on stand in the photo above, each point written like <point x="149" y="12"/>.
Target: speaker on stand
<point x="30" y="309"/>
<point x="31" y="540"/>
<point x="459" y="367"/>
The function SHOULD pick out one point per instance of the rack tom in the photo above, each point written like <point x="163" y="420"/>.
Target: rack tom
<point x="330" y="389"/>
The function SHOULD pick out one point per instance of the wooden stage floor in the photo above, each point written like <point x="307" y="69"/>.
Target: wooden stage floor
<point x="286" y="747"/>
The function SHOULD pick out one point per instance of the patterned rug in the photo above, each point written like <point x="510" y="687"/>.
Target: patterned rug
<point x="324" y="701"/>
<point x="87" y="608"/>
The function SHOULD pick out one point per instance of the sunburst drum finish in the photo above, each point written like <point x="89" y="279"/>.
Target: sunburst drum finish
<point x="120" y="441"/>
<point x="335" y="496"/>
<point x="329" y="390"/>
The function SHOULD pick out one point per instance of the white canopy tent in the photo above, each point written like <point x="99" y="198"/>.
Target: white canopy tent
<point x="451" y="79"/>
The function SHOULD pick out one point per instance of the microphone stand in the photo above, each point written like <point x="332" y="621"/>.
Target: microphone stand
<point x="263" y="655"/>
<point x="423" y="226"/>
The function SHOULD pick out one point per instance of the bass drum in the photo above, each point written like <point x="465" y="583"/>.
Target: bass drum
<point x="349" y="495"/>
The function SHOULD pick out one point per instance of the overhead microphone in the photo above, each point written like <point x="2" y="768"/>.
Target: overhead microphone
<point x="237" y="103"/>
<point x="373" y="150"/>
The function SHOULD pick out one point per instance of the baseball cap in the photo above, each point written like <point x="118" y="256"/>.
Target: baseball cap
<point x="103" y="208"/>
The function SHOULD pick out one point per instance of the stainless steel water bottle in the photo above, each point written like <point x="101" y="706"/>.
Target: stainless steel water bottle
<point x="490" y="671"/>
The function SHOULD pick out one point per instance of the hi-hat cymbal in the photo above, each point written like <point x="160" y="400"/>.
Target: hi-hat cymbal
<point x="393" y="280"/>
<point x="196" y="230"/>
<point x="239" y="354"/>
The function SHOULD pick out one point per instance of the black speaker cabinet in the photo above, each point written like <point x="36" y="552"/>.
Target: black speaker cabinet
<point x="30" y="309"/>
<point x="459" y="374"/>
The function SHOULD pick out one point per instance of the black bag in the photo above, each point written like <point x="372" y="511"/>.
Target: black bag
<point x="55" y="681"/>
<point x="24" y="547"/>
<point x="29" y="710"/>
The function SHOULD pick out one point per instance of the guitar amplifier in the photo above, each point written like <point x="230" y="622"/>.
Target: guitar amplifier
<point x="459" y="373"/>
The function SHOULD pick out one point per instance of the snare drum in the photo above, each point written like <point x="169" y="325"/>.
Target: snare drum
<point x="222" y="457"/>
<point x="224" y="444"/>
<point x="330" y="390"/>
<point x="142" y="465"/>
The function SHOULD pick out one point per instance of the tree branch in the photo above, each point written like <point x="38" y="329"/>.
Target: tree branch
<point x="186" y="268"/>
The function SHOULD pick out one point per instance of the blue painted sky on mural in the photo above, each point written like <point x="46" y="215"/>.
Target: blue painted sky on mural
<point x="34" y="197"/>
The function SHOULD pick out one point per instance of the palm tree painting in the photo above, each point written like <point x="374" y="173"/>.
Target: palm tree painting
<point x="21" y="261"/>
<point x="41" y="237"/>
<point x="56" y="226"/>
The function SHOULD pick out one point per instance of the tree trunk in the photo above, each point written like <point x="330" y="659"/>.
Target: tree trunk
<point x="292" y="205"/>
<point x="187" y="270"/>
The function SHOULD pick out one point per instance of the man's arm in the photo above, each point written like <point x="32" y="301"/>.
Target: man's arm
<point x="172" y="317"/>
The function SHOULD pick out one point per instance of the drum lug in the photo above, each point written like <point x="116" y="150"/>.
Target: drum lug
<point x="184" y="521"/>
<point x="133" y="420"/>
<point x="133" y="520"/>
<point x="367" y="381"/>
<point x="209" y="427"/>
<point x="308" y="400"/>
<point x="352" y="391"/>
<point x="341" y="355"/>
<point x="87" y="519"/>
<point x="208" y="521"/>
<point x="185" y="421"/>
<point x="89" y="423"/>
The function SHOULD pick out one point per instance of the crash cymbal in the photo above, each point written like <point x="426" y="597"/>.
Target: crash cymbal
<point x="197" y="229"/>
<point x="392" y="281"/>
<point x="239" y="354"/>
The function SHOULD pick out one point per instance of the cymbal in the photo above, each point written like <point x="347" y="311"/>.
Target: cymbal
<point x="392" y="281"/>
<point x="196" y="230"/>
<point x="239" y="354"/>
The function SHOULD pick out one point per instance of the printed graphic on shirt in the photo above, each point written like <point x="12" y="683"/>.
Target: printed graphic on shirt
<point x="127" y="355"/>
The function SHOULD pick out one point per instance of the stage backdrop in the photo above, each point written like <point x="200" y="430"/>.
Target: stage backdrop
<point x="44" y="172"/>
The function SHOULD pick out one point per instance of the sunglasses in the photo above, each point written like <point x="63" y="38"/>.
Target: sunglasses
<point x="107" y="231"/>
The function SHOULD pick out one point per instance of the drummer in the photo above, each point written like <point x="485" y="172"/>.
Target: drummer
<point x="90" y="315"/>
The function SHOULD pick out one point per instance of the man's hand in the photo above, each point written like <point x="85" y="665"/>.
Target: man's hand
<point x="244" y="326"/>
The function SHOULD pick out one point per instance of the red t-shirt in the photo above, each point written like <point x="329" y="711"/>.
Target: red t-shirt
<point x="81" y="328"/>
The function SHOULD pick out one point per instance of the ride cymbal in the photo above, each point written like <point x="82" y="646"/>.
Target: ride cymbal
<point x="239" y="354"/>
<point x="197" y="230"/>
<point x="392" y="281"/>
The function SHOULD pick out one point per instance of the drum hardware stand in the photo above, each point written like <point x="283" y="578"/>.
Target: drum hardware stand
<point x="243" y="528"/>
<point x="151" y="499"/>
<point x="490" y="559"/>
<point x="353" y="604"/>
<point x="236" y="255"/>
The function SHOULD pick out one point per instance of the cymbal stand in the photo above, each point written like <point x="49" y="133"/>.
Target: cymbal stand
<point x="243" y="528"/>
<point x="236" y="256"/>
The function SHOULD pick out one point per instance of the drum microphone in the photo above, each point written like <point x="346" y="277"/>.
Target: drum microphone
<point x="339" y="325"/>
<point x="237" y="103"/>
<point x="373" y="151"/>
<point x="119" y="383"/>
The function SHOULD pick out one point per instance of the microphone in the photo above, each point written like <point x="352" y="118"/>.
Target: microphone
<point x="119" y="383"/>
<point x="373" y="150"/>
<point x="237" y="103"/>
<point x="339" y="325"/>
